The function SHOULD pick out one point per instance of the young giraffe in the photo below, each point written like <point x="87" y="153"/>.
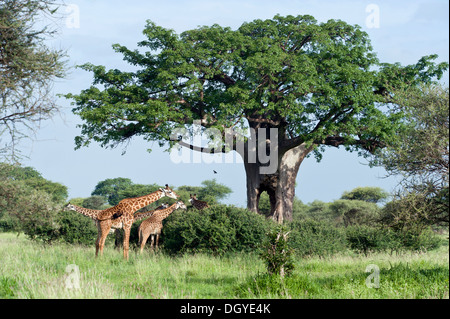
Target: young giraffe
<point x="152" y="226"/>
<point x="198" y="203"/>
<point x="125" y="210"/>
<point x="137" y="217"/>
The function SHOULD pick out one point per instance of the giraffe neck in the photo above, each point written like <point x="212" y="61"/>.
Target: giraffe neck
<point x="139" y="202"/>
<point x="164" y="213"/>
<point x="92" y="213"/>
<point x="140" y="216"/>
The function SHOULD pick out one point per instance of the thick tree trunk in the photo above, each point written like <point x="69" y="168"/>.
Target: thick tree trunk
<point x="280" y="186"/>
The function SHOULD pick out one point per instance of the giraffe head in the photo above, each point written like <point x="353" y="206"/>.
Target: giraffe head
<point x="193" y="198"/>
<point x="179" y="205"/>
<point x="168" y="192"/>
<point x="68" y="207"/>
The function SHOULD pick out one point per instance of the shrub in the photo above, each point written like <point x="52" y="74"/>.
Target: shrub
<point x="277" y="254"/>
<point x="418" y="241"/>
<point x="314" y="238"/>
<point x="366" y="239"/>
<point x="37" y="215"/>
<point x="217" y="229"/>
<point x="76" y="228"/>
<point x="354" y="212"/>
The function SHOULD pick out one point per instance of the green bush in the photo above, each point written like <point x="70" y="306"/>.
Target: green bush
<point x="365" y="239"/>
<point x="354" y="212"/>
<point x="77" y="229"/>
<point x="314" y="238"/>
<point x="218" y="229"/>
<point x="415" y="241"/>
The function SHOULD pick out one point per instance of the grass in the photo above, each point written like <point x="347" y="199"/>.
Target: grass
<point x="32" y="270"/>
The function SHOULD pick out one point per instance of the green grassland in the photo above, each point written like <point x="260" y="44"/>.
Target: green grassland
<point x="32" y="270"/>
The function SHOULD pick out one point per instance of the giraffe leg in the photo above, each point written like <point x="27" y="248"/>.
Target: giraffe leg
<point x="139" y="237"/>
<point x="117" y="240"/>
<point x="97" y="242"/>
<point x="126" y="242"/>
<point x="144" y="240"/>
<point x="157" y="241"/>
<point x="152" y="242"/>
<point x="105" y="227"/>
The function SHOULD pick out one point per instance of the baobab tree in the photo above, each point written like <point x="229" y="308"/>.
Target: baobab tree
<point x="295" y="84"/>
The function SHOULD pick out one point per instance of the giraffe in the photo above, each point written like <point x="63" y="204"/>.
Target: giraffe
<point x="91" y="213"/>
<point x="198" y="203"/>
<point x="125" y="210"/>
<point x="116" y="223"/>
<point x="131" y="205"/>
<point x="152" y="226"/>
<point x="137" y="217"/>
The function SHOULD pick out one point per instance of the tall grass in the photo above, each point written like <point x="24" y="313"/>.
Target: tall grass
<point x="32" y="270"/>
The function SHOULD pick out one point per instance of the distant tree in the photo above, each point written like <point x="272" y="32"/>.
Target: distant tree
<point x="28" y="67"/>
<point x="319" y="211"/>
<point x="213" y="192"/>
<point x="93" y="202"/>
<point x="367" y="194"/>
<point x="17" y="172"/>
<point x="77" y="201"/>
<point x="111" y="187"/>
<point x="354" y="212"/>
<point x="30" y="202"/>
<point x="136" y="190"/>
<point x="32" y="178"/>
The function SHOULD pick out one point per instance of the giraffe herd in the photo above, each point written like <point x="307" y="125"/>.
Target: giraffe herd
<point x="123" y="215"/>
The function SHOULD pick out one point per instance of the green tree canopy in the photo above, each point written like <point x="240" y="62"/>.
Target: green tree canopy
<point x="33" y="179"/>
<point x="213" y="192"/>
<point x="420" y="155"/>
<point x="93" y="202"/>
<point x="316" y="84"/>
<point x="111" y="187"/>
<point x="367" y="194"/>
<point x="30" y="203"/>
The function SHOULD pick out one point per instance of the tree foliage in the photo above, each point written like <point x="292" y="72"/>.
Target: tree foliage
<point x="213" y="192"/>
<point x="111" y="187"/>
<point x="27" y="69"/>
<point x="317" y="84"/>
<point x="30" y="203"/>
<point x="420" y="156"/>
<point x="368" y="194"/>
<point x="315" y="81"/>
<point x="354" y="212"/>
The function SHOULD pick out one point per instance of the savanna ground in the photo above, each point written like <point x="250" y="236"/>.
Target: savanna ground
<point x="32" y="270"/>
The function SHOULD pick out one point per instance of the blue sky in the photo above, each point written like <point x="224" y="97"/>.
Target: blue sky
<point x="407" y="31"/>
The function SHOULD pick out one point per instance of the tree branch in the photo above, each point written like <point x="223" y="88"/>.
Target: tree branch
<point x="336" y="141"/>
